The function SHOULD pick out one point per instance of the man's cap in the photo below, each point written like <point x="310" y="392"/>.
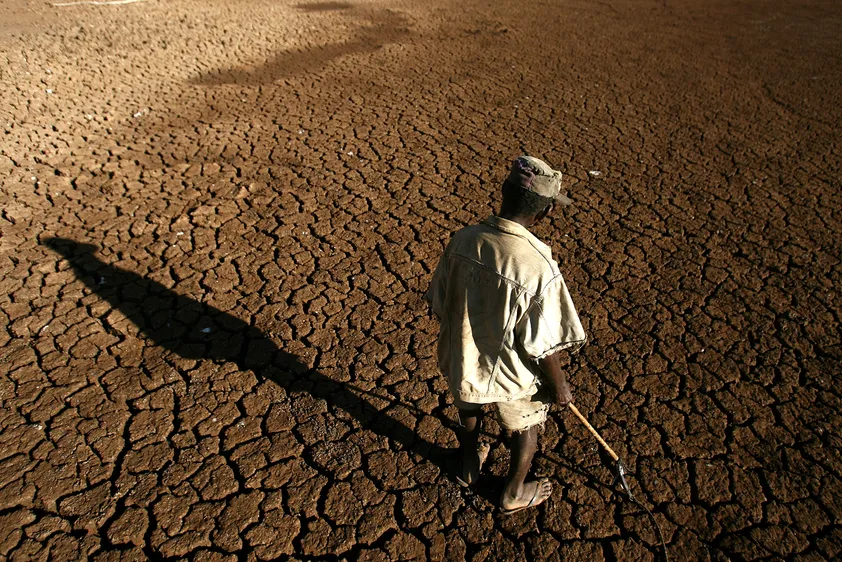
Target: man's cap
<point x="536" y="176"/>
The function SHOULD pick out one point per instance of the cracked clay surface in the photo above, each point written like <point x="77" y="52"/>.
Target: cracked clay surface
<point x="217" y="220"/>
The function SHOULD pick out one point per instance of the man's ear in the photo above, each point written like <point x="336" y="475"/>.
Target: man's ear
<point x="545" y="212"/>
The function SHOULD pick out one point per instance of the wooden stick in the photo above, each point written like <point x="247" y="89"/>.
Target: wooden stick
<point x="599" y="438"/>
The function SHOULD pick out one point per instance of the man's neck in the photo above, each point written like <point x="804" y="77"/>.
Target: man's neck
<point x="525" y="222"/>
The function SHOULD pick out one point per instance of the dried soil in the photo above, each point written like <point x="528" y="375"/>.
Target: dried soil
<point x="217" y="220"/>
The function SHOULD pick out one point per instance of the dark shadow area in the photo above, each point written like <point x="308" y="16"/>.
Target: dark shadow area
<point x="323" y="6"/>
<point x="380" y="28"/>
<point x="194" y="330"/>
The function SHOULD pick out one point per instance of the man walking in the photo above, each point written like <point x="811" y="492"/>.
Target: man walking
<point x="505" y="315"/>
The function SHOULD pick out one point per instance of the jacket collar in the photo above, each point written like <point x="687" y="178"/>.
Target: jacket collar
<point x="511" y="227"/>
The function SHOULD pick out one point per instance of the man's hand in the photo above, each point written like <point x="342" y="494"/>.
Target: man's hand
<point x="563" y="396"/>
<point x="559" y="389"/>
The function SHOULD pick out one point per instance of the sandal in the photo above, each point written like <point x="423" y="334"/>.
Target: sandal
<point x="536" y="500"/>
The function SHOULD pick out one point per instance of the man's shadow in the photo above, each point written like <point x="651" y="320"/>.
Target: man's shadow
<point x="194" y="330"/>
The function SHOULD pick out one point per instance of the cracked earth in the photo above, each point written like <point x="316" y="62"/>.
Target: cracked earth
<point x="217" y="220"/>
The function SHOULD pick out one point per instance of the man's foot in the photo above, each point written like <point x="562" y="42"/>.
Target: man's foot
<point x="534" y="493"/>
<point x="471" y="464"/>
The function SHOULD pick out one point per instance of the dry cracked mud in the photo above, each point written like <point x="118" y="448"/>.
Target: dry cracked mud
<point x="218" y="218"/>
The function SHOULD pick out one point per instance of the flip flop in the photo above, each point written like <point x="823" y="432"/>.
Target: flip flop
<point x="532" y="503"/>
<point x="482" y="452"/>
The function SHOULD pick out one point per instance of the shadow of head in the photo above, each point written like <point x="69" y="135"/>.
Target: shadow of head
<point x="179" y="323"/>
<point x="69" y="248"/>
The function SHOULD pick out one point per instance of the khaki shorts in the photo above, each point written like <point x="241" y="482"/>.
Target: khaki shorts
<point x="514" y="415"/>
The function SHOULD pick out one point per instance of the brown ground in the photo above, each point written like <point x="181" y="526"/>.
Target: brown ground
<point x="218" y="218"/>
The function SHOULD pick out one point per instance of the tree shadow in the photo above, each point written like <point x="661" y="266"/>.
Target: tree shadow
<point x="381" y="28"/>
<point x="194" y="330"/>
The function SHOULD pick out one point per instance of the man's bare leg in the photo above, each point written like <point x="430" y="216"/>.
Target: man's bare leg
<point x="471" y="455"/>
<point x="518" y="493"/>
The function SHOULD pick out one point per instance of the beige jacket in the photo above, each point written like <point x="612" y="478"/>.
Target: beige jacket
<point x="503" y="305"/>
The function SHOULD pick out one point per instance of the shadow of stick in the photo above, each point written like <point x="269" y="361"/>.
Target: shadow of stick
<point x="178" y="323"/>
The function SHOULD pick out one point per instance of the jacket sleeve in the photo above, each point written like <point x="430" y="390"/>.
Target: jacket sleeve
<point x="550" y="322"/>
<point x="437" y="291"/>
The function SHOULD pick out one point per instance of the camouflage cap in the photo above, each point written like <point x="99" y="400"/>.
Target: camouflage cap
<point x="536" y="176"/>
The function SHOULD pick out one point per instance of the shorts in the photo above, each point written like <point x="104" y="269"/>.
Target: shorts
<point x="514" y="415"/>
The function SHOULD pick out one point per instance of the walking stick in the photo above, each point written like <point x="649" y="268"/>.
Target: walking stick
<point x="621" y="468"/>
<point x="621" y="472"/>
<point x="599" y="438"/>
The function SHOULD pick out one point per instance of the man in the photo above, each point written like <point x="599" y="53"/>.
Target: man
<point x="506" y="316"/>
